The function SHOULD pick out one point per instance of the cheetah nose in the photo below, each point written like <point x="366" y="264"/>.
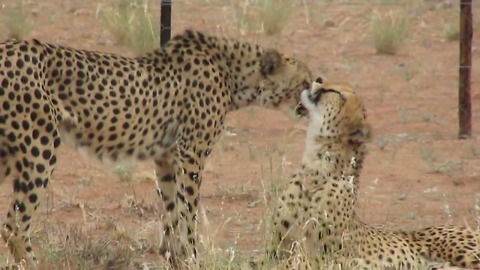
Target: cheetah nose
<point x="319" y="80"/>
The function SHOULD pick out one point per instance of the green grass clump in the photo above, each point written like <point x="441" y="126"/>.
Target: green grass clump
<point x="18" y="23"/>
<point x="132" y="23"/>
<point x="267" y="16"/>
<point x="451" y="31"/>
<point x="390" y="32"/>
<point x="124" y="173"/>
<point x="274" y="15"/>
<point x="392" y="2"/>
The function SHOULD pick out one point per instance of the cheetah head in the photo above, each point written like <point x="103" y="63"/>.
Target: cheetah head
<point x="282" y="80"/>
<point x="335" y="111"/>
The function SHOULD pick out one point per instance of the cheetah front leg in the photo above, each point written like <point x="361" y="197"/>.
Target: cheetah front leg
<point x="178" y="182"/>
<point x="288" y="220"/>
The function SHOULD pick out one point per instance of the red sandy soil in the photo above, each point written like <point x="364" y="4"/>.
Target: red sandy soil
<point x="417" y="173"/>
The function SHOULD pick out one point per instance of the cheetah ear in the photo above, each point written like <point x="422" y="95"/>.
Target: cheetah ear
<point x="270" y="61"/>
<point x="361" y="133"/>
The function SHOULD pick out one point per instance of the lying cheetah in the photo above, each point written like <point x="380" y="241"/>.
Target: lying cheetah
<point x="168" y="106"/>
<point x="315" y="224"/>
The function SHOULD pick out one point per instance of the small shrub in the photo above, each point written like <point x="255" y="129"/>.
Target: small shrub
<point x="145" y="31"/>
<point x="390" y="32"/>
<point x="76" y="247"/>
<point x="245" y="18"/>
<point x="274" y="15"/>
<point x="271" y="16"/>
<point x="451" y="31"/>
<point x="124" y="173"/>
<point x="392" y="2"/>
<point x="18" y="23"/>
<point x="118" y="21"/>
<point x="133" y="25"/>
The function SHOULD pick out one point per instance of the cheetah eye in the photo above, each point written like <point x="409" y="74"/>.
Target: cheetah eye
<point x="315" y="97"/>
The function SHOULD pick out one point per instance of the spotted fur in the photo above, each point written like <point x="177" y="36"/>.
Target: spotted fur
<point x="315" y="223"/>
<point x="168" y="106"/>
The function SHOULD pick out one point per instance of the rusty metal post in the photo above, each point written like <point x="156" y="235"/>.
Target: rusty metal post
<point x="165" y="21"/>
<point x="464" y="85"/>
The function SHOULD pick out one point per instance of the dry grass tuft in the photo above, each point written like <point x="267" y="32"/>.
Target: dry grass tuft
<point x="451" y="31"/>
<point x="77" y="247"/>
<point x="267" y="16"/>
<point x="19" y="24"/>
<point x="133" y="25"/>
<point x="274" y="15"/>
<point x="390" y="32"/>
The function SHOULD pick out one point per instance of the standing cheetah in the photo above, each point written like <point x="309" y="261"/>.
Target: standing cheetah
<point x="168" y="106"/>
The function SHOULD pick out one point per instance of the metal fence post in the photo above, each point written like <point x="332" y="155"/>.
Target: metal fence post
<point x="464" y="85"/>
<point x="165" y="21"/>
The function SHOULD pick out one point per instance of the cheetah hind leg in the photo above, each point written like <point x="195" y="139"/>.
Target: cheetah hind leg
<point x="179" y="184"/>
<point x="174" y="242"/>
<point x="14" y="242"/>
<point x="17" y="248"/>
<point x="16" y="230"/>
<point x="30" y="178"/>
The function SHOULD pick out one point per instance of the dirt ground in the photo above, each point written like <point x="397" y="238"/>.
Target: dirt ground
<point x="417" y="172"/>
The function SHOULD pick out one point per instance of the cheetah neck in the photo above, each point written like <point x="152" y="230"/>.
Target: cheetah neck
<point x="239" y="62"/>
<point x="329" y="175"/>
<point x="244" y="78"/>
<point x="330" y="159"/>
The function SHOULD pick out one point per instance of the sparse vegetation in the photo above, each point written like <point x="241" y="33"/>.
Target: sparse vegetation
<point x="448" y="167"/>
<point x="237" y="192"/>
<point x="244" y="16"/>
<point x="404" y="116"/>
<point x="474" y="150"/>
<point x="269" y="16"/>
<point x="127" y="235"/>
<point x="392" y="2"/>
<point x="132" y="24"/>
<point x="445" y="167"/>
<point x="409" y="73"/>
<point x="383" y="142"/>
<point x="427" y="118"/>
<point x="124" y="173"/>
<point x="19" y="23"/>
<point x="410" y="215"/>
<point x="389" y="32"/>
<point x="82" y="246"/>
<point x="76" y="248"/>
<point x="451" y="31"/>
<point x="274" y="15"/>
<point x="428" y="154"/>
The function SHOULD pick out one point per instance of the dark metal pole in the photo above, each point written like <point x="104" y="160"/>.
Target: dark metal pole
<point x="464" y="85"/>
<point x="165" y="21"/>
